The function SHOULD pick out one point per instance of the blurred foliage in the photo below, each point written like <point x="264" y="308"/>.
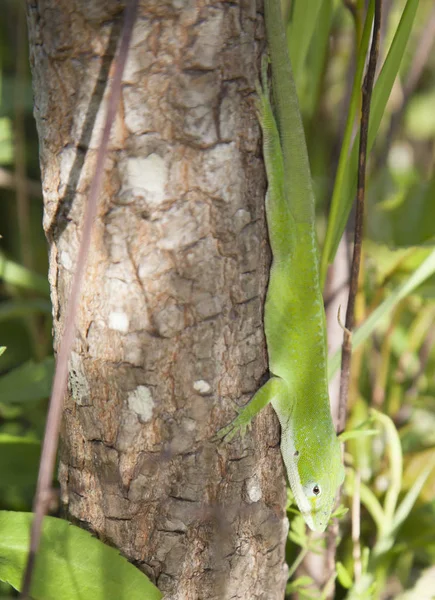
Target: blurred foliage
<point x="388" y="551"/>
<point x="391" y="473"/>
<point x="25" y="312"/>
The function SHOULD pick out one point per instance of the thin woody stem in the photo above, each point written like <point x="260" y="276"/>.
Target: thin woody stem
<point x="44" y="490"/>
<point x="367" y="89"/>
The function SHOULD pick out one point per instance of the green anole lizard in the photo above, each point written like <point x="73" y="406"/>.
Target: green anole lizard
<point x="294" y="317"/>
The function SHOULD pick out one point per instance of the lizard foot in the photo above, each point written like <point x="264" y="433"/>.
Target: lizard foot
<point x="240" y="424"/>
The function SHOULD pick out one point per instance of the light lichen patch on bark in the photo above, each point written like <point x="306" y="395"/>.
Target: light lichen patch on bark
<point x="119" y="321"/>
<point x="141" y="402"/>
<point x="202" y="387"/>
<point x="145" y="175"/>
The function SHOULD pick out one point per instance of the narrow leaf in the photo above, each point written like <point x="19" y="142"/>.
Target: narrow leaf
<point x="315" y="68"/>
<point x="424" y="271"/>
<point x="353" y="434"/>
<point x="343" y="168"/>
<point x="343" y="575"/>
<point x="372" y="504"/>
<point x="300" y="32"/>
<point x="409" y="500"/>
<point x="395" y="456"/>
<point x="381" y="93"/>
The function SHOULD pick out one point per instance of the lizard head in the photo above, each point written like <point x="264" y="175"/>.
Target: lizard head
<point x="315" y="481"/>
<point x="320" y="485"/>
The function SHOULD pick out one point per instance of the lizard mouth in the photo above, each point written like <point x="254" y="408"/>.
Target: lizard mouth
<point x="319" y="526"/>
<point x="315" y="524"/>
<point x="308" y="517"/>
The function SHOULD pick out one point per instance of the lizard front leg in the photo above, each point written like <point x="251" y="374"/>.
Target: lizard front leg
<point x="272" y="389"/>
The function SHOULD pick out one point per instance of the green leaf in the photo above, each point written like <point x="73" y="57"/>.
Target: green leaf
<point x="15" y="274"/>
<point x="6" y="141"/>
<point x="353" y="434"/>
<point x="300" y="32"/>
<point x="302" y="581"/>
<point x="395" y="456"/>
<point x="381" y="93"/>
<point x="409" y="500"/>
<point x="2" y="349"/>
<point x="28" y="383"/>
<point x="339" y="512"/>
<point x="424" y="271"/>
<point x="19" y="460"/>
<point x="298" y="584"/>
<point x="364" y="589"/>
<point x="343" y="168"/>
<point x="372" y="504"/>
<point x="298" y="532"/>
<point x="343" y="576"/>
<point x="70" y="565"/>
<point x="315" y="68"/>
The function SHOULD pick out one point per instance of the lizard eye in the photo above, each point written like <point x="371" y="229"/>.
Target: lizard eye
<point x="316" y="490"/>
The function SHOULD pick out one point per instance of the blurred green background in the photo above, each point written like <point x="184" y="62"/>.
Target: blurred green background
<point x="393" y="556"/>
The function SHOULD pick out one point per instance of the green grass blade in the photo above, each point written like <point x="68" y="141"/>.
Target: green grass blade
<point x="386" y="540"/>
<point x="71" y="564"/>
<point x="316" y="60"/>
<point x="343" y="576"/>
<point x="342" y="169"/>
<point x="381" y="93"/>
<point x="300" y="32"/>
<point x="372" y="504"/>
<point x="15" y="274"/>
<point x="395" y="456"/>
<point x="409" y="500"/>
<point x="424" y="271"/>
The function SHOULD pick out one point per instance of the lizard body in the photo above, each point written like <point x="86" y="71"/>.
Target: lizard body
<point x="294" y="317"/>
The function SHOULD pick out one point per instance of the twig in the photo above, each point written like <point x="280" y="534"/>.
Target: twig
<point x="332" y="534"/>
<point x="298" y="561"/>
<point x="48" y="456"/>
<point x="359" y="217"/>
<point x="367" y="89"/>
<point x="356" y="528"/>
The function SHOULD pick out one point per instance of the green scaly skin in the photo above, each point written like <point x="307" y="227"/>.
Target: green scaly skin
<point x="294" y="317"/>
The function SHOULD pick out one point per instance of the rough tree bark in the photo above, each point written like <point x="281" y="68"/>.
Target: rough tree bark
<point x="170" y="333"/>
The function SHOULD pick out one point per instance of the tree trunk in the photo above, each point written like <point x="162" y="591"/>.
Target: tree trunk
<point x="169" y="336"/>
